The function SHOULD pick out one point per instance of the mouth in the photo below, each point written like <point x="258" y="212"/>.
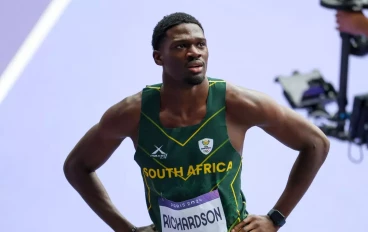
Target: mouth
<point x="195" y="67"/>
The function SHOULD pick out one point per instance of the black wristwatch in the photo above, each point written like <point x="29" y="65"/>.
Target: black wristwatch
<point x="276" y="217"/>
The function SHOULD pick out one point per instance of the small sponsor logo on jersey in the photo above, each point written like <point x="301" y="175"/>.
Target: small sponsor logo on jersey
<point x="205" y="145"/>
<point x="158" y="153"/>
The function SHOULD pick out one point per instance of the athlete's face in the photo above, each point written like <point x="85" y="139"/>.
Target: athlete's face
<point x="183" y="54"/>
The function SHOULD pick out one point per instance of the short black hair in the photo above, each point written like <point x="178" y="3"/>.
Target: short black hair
<point x="168" y="22"/>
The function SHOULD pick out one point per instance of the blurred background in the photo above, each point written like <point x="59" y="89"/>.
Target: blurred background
<point x="66" y="62"/>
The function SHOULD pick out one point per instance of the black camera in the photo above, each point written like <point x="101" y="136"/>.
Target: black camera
<point x="307" y="91"/>
<point x="311" y="92"/>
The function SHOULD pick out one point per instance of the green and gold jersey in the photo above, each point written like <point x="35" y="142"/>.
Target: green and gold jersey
<point x="192" y="175"/>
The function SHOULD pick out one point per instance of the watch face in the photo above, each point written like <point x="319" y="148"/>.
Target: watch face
<point x="277" y="218"/>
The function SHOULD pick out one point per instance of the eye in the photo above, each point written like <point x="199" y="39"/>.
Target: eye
<point x="180" y="46"/>
<point x="202" y="44"/>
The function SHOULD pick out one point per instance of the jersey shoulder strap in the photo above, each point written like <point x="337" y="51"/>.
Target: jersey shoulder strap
<point x="218" y="93"/>
<point x="150" y="99"/>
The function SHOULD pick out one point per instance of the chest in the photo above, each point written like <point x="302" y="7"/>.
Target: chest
<point x="188" y="144"/>
<point x="169" y="119"/>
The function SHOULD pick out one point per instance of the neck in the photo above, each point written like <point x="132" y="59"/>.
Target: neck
<point x="181" y="99"/>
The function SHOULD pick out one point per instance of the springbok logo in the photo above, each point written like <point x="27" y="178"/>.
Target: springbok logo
<point x="205" y="145"/>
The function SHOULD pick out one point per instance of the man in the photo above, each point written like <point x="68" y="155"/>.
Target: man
<point x="188" y="133"/>
<point x="354" y="23"/>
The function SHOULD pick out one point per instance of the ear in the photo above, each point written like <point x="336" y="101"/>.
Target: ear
<point x="157" y="57"/>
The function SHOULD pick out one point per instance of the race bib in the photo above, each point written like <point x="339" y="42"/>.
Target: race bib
<point x="200" y="214"/>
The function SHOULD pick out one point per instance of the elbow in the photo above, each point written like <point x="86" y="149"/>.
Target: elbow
<point x="70" y="169"/>
<point x="317" y="149"/>
<point x="75" y="170"/>
<point x="67" y="169"/>
<point x="325" y="146"/>
<point x="321" y="148"/>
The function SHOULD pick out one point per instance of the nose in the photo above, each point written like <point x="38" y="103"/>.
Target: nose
<point x="194" y="52"/>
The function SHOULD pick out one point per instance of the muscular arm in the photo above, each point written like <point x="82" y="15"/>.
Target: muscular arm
<point x="290" y="129"/>
<point x="93" y="150"/>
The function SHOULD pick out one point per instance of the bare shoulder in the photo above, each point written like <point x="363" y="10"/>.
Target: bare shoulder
<point x="250" y="107"/>
<point x="122" y="119"/>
